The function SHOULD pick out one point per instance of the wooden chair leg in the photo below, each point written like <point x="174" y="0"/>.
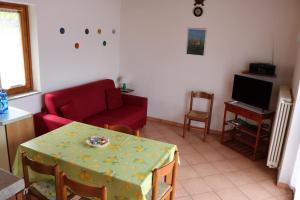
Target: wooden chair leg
<point x="189" y="127"/>
<point x="209" y="121"/>
<point x="184" y="127"/>
<point x="205" y="131"/>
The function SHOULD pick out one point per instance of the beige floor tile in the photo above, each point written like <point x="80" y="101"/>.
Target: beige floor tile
<point x="202" y="147"/>
<point x="183" y="149"/>
<point x="239" y="178"/>
<point x="193" y="138"/>
<point x="285" y="197"/>
<point x="228" y="153"/>
<point x="183" y="162"/>
<point x="218" y="182"/>
<point x="184" y="198"/>
<point x="204" y="170"/>
<point x="186" y="173"/>
<point x="206" y="196"/>
<point x="212" y="137"/>
<point x="180" y="191"/>
<point x="224" y="166"/>
<point x="253" y="179"/>
<point x="152" y="134"/>
<point x="195" y="186"/>
<point x="255" y="192"/>
<point x="216" y="144"/>
<point x="271" y="187"/>
<point x="213" y="156"/>
<point x="194" y="158"/>
<point x="242" y="163"/>
<point x="232" y="194"/>
<point x="258" y="174"/>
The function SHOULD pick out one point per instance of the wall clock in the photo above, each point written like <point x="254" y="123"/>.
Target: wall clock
<point x="198" y="10"/>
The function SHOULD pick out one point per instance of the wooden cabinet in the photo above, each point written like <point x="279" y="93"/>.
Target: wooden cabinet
<point x="250" y="139"/>
<point x="16" y="127"/>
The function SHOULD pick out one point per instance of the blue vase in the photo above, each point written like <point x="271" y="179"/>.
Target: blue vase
<point x="3" y="102"/>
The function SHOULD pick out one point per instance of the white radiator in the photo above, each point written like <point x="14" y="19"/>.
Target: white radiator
<point x="279" y="130"/>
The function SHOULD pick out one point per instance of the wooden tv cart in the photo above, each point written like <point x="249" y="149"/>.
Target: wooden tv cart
<point x="251" y="140"/>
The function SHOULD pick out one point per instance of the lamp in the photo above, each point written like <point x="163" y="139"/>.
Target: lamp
<point x="123" y="83"/>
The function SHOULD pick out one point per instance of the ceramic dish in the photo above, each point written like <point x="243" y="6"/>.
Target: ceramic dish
<point x="97" y="141"/>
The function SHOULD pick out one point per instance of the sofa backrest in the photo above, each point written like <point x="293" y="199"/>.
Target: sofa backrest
<point x="89" y="99"/>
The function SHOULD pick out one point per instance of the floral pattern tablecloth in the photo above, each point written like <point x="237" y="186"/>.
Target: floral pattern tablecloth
<point x="125" y="165"/>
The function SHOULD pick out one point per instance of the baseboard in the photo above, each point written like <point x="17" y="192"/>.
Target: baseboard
<point x="283" y="185"/>
<point x="179" y="125"/>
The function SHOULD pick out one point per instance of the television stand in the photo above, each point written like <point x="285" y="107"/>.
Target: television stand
<point x="248" y="107"/>
<point x="251" y="140"/>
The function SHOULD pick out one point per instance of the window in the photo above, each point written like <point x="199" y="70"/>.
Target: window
<point x="15" y="58"/>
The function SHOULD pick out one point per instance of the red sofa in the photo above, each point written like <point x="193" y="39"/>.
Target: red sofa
<point x="88" y="104"/>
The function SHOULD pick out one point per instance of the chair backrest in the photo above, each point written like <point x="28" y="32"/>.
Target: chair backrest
<point x="122" y="129"/>
<point x="202" y="95"/>
<point x="39" y="168"/>
<point x="80" y="189"/>
<point x="169" y="173"/>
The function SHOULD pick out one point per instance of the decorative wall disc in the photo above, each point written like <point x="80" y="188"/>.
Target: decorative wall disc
<point x="62" y="30"/>
<point x="114" y="31"/>
<point x="104" y="43"/>
<point x="99" y="31"/>
<point x="87" y="31"/>
<point x="77" y="45"/>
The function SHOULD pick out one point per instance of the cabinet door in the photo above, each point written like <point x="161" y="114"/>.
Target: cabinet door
<point x="18" y="133"/>
<point x="4" y="162"/>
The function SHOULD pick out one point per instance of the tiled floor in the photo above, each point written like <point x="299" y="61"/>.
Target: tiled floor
<point x="211" y="171"/>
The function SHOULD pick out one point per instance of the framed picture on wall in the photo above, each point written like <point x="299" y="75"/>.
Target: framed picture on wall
<point x="196" y="41"/>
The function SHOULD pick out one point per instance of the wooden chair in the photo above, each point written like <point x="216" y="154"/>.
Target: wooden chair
<point x="44" y="190"/>
<point x="80" y="189"/>
<point x="122" y="129"/>
<point x="194" y="115"/>
<point x="164" y="189"/>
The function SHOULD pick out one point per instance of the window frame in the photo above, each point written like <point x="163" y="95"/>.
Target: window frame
<point x="25" y="33"/>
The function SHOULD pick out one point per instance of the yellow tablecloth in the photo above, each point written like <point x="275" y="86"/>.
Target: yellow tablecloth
<point x="125" y="165"/>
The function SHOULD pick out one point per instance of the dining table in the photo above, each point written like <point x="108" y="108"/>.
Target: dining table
<point x="124" y="165"/>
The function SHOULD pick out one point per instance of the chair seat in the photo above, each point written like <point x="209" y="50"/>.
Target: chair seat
<point x="163" y="188"/>
<point x="197" y="115"/>
<point x="46" y="188"/>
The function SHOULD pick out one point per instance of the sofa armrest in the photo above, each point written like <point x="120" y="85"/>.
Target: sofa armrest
<point x="44" y="122"/>
<point x="135" y="100"/>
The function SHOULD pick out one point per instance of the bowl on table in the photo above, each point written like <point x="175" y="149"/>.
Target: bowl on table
<point x="97" y="141"/>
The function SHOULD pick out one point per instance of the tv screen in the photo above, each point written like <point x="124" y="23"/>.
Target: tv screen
<point x="252" y="91"/>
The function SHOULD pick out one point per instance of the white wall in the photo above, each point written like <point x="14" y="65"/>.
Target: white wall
<point x="60" y="64"/>
<point x="293" y="139"/>
<point x="154" y="41"/>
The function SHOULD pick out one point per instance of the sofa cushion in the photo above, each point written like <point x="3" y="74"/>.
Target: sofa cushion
<point x="113" y="98"/>
<point x="89" y="99"/>
<point x="126" y="115"/>
<point x="70" y="111"/>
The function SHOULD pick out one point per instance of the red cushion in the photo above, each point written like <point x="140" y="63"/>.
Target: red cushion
<point x="126" y="115"/>
<point x="70" y="111"/>
<point x="89" y="99"/>
<point x="113" y="98"/>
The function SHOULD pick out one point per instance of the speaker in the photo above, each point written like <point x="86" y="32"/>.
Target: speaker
<point x="262" y="69"/>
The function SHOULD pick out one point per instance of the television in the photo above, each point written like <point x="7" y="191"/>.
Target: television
<point x="252" y="91"/>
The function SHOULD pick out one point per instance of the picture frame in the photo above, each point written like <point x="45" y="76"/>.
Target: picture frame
<point x="196" y="41"/>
